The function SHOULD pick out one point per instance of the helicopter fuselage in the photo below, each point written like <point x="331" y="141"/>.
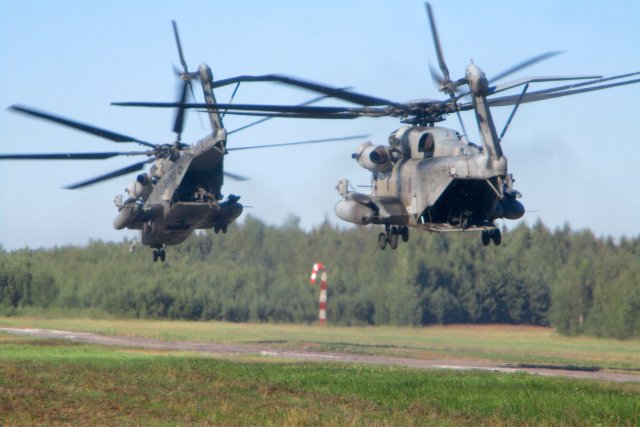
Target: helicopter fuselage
<point x="433" y="179"/>
<point x="179" y="195"/>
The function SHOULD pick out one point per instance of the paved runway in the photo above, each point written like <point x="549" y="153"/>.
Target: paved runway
<point x="315" y="356"/>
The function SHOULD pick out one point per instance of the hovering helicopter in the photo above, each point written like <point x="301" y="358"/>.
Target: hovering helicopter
<point x="428" y="177"/>
<point x="181" y="192"/>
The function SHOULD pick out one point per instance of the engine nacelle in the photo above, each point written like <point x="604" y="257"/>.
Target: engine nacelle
<point x="141" y="187"/>
<point x="374" y="158"/>
<point x="354" y="212"/>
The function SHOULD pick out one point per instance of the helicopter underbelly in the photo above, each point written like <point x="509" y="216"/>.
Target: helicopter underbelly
<point x="472" y="200"/>
<point x="181" y="219"/>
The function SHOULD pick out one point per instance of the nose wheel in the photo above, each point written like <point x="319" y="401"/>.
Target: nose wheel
<point x="159" y="254"/>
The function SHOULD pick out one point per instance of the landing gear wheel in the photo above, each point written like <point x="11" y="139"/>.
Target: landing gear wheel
<point x="159" y="254"/>
<point x="393" y="238"/>
<point x="223" y="228"/>
<point x="496" y="236"/>
<point x="382" y="240"/>
<point x="404" y="232"/>
<point x="486" y="237"/>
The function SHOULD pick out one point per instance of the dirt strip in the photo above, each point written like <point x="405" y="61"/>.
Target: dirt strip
<point x="314" y="356"/>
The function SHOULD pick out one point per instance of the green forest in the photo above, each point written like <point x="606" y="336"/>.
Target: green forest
<point x="571" y="280"/>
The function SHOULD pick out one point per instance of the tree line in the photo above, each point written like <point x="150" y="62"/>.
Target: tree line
<point x="572" y="280"/>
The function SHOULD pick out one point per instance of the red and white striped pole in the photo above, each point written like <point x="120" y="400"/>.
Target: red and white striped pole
<point x="322" y="312"/>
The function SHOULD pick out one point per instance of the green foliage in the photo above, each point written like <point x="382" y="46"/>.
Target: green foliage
<point x="256" y="272"/>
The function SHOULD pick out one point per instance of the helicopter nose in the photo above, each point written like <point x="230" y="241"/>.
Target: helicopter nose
<point x="477" y="80"/>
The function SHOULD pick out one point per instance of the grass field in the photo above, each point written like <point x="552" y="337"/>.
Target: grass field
<point x="505" y="344"/>
<point x="57" y="382"/>
<point x="54" y="382"/>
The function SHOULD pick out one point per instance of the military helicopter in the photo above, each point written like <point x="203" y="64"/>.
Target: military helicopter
<point x="181" y="192"/>
<point x="429" y="177"/>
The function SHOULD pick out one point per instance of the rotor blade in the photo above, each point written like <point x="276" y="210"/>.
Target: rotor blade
<point x="193" y="94"/>
<point x="435" y="76"/>
<point x="70" y="156"/>
<point x="132" y="168"/>
<point x="356" y="98"/>
<point x="193" y="98"/>
<point x="301" y="109"/>
<point x="300" y="115"/>
<point x="552" y="93"/>
<point x="313" y="141"/>
<point x="534" y="97"/>
<point x="257" y="122"/>
<point x="180" y="113"/>
<point x="436" y="42"/>
<point x="182" y="60"/>
<point x="188" y="79"/>
<point x="527" y="80"/>
<point x="525" y="64"/>
<point x="116" y="137"/>
<point x="549" y="94"/>
<point x="235" y="177"/>
<point x="589" y="83"/>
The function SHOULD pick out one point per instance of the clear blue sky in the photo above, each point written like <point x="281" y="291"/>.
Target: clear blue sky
<point x="574" y="159"/>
